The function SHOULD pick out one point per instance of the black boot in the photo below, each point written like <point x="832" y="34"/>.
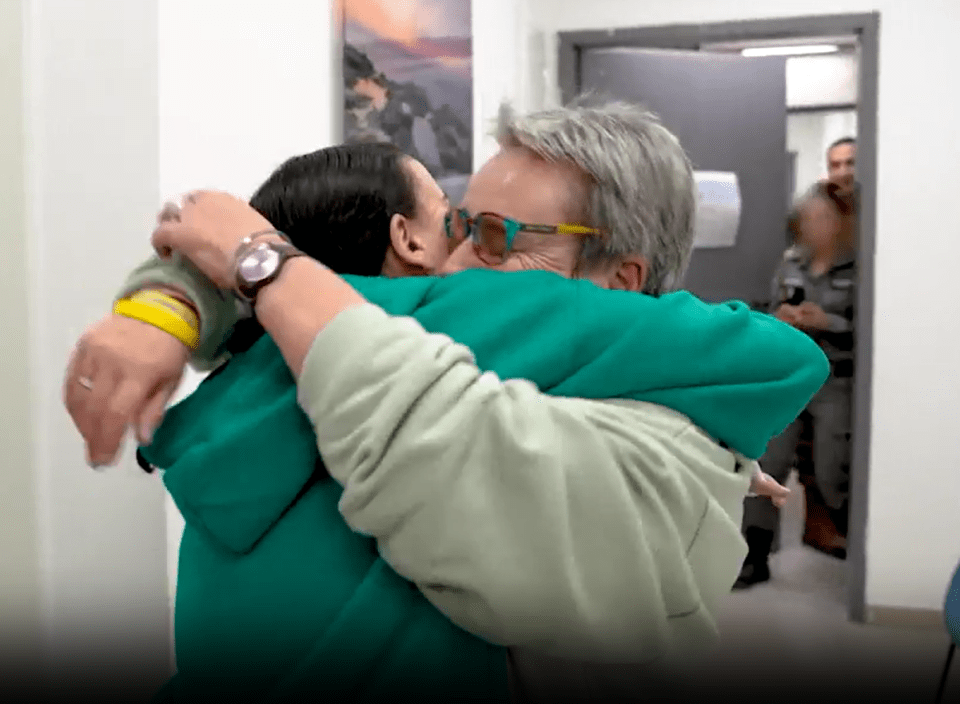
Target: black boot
<point x="756" y="567"/>
<point x="840" y="517"/>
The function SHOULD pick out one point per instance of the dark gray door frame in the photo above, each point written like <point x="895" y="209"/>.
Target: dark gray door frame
<point x="867" y="28"/>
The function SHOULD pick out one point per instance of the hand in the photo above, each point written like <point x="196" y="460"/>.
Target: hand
<point x="812" y="317"/>
<point x="208" y="230"/>
<point x="788" y="314"/>
<point x="122" y="373"/>
<point x="762" y="484"/>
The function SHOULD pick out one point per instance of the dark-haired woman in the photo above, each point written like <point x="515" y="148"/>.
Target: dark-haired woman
<point x="362" y="209"/>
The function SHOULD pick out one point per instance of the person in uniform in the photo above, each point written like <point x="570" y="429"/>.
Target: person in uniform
<point x="843" y="186"/>
<point x="814" y="289"/>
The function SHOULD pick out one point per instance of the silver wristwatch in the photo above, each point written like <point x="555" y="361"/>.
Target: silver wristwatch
<point x="259" y="264"/>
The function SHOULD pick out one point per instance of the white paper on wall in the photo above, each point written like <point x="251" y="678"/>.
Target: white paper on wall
<point x="718" y="209"/>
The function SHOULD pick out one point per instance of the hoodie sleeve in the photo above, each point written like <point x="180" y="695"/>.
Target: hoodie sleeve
<point x="219" y="311"/>
<point x="593" y="530"/>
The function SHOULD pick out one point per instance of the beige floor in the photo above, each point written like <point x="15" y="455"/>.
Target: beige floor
<point x="789" y="640"/>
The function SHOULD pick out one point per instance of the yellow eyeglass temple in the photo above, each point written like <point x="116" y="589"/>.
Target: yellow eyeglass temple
<point x="576" y="230"/>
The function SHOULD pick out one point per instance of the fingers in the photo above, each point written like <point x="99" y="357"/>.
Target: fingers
<point x="100" y="404"/>
<point x="169" y="212"/>
<point x="193" y="199"/>
<point x="121" y="374"/>
<point x="762" y="484"/>
<point x="152" y="413"/>
<point x="778" y="494"/>
<point x="167" y="236"/>
<point x="113" y="414"/>
<point x="172" y="223"/>
<point x="90" y="407"/>
<point x="71" y="382"/>
<point x="172" y="212"/>
<point x="81" y="382"/>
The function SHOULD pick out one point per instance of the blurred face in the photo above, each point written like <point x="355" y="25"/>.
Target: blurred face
<point x="519" y="185"/>
<point x="841" y="166"/>
<point x="819" y="225"/>
<point x="427" y="228"/>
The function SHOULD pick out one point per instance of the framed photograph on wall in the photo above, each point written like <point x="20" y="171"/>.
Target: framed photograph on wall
<point x="408" y="79"/>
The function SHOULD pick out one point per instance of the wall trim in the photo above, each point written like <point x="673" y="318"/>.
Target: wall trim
<point x="824" y="107"/>
<point x="903" y="617"/>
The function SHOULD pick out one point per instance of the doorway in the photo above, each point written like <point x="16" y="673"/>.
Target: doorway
<point x="804" y="125"/>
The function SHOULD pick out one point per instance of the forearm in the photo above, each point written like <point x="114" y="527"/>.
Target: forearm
<point x="296" y="307"/>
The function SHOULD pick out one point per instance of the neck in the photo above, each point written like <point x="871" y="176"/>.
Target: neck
<point x="825" y="256"/>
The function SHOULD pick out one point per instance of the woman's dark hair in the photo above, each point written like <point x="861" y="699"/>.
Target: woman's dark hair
<point x="335" y="204"/>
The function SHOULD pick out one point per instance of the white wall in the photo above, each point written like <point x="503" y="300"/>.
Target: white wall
<point x="912" y="534"/>
<point x="831" y="79"/>
<point x="810" y="134"/>
<point x="500" y="47"/>
<point x="20" y="602"/>
<point x="91" y="174"/>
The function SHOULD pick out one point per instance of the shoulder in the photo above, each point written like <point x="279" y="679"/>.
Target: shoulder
<point x="792" y="262"/>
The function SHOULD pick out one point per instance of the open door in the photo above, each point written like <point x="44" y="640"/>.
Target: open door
<point x="729" y="113"/>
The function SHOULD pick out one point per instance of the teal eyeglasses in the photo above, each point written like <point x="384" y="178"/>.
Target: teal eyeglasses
<point x="494" y="234"/>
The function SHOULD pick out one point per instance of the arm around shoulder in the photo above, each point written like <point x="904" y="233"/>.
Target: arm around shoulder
<point x="564" y="525"/>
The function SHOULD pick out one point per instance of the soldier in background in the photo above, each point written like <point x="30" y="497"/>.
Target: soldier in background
<point x="814" y="289"/>
<point x="842" y="184"/>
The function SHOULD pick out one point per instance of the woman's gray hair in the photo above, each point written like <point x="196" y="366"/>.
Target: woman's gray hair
<point x="642" y="190"/>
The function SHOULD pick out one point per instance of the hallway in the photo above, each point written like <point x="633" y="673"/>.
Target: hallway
<point x="794" y="632"/>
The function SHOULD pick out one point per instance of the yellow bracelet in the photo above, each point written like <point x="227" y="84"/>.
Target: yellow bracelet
<point x="160" y="317"/>
<point x="177" y="307"/>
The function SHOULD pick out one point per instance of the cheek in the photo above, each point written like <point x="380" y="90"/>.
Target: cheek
<point x="438" y="245"/>
<point x="516" y="263"/>
<point x="467" y="257"/>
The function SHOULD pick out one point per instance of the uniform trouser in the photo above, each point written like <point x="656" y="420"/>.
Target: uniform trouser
<point x="830" y="412"/>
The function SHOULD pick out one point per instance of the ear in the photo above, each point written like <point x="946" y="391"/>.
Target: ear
<point x="628" y="274"/>
<point x="407" y="244"/>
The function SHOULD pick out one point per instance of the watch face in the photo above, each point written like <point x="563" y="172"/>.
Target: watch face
<point x="259" y="264"/>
